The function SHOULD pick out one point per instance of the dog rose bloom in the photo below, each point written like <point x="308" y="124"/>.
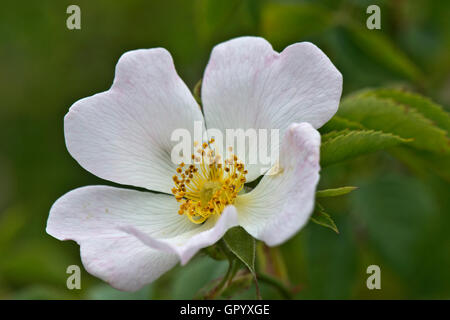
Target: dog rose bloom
<point x="128" y="237"/>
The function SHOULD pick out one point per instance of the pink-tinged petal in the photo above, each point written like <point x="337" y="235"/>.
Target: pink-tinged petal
<point x="124" y="134"/>
<point x="249" y="85"/>
<point x="281" y="204"/>
<point x="186" y="245"/>
<point x="92" y="216"/>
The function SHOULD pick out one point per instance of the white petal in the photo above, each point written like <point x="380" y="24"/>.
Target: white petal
<point x="281" y="204"/>
<point x="249" y="85"/>
<point x="92" y="217"/>
<point x="124" y="134"/>
<point x="188" y="244"/>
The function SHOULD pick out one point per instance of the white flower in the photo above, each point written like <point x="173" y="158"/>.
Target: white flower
<point x="129" y="238"/>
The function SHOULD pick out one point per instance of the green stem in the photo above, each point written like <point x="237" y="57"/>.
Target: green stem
<point x="226" y="279"/>
<point x="234" y="269"/>
<point x="282" y="289"/>
<point x="258" y="292"/>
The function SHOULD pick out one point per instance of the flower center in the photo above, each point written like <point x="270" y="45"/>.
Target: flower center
<point x="206" y="187"/>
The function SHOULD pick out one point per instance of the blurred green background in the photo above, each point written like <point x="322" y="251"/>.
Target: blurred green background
<point x="399" y="218"/>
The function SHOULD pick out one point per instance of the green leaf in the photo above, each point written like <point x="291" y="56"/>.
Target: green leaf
<point x="390" y="117"/>
<point x="333" y="134"/>
<point x="322" y="218"/>
<point x="339" y="123"/>
<point x="380" y="48"/>
<point x="242" y="245"/>
<point x="334" y="192"/>
<point x="422" y="104"/>
<point x="355" y="143"/>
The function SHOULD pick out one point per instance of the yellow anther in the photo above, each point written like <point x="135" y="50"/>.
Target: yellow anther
<point x="204" y="189"/>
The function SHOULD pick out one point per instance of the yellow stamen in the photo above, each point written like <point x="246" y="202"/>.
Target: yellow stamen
<point x="206" y="188"/>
